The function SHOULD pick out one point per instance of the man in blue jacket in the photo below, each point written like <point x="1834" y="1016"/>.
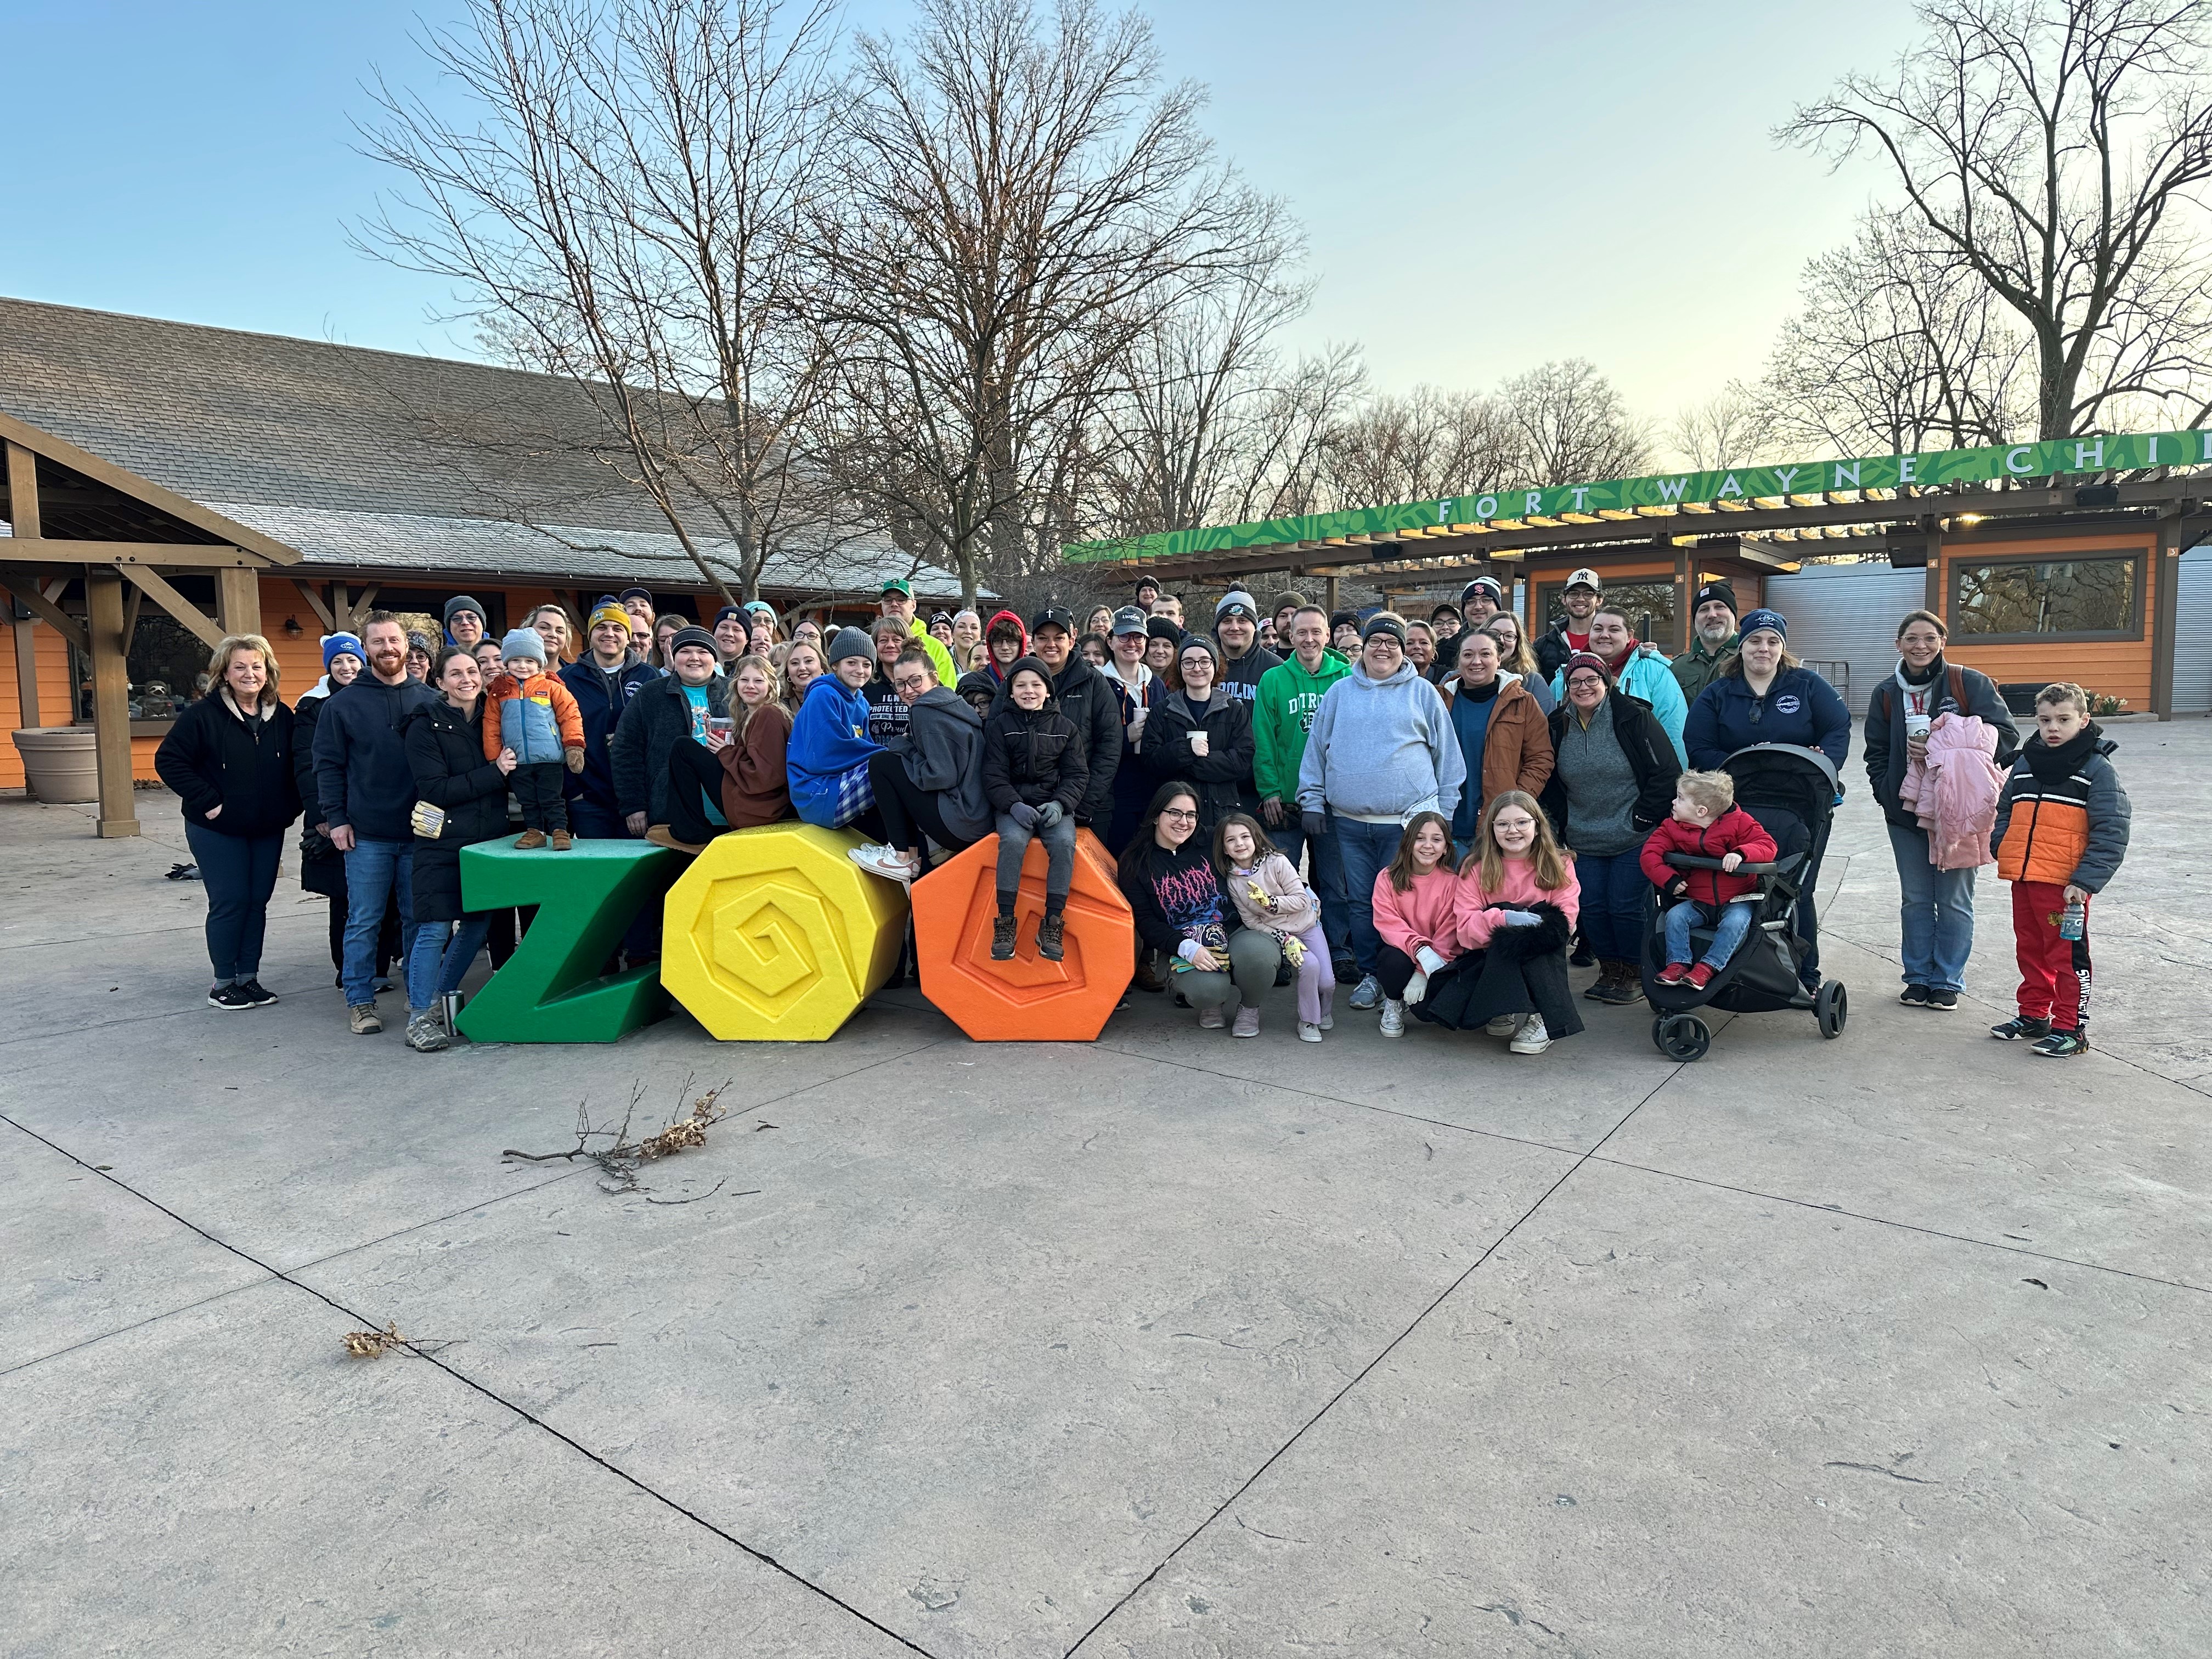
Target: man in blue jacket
<point x="367" y="791"/>
<point x="602" y="681"/>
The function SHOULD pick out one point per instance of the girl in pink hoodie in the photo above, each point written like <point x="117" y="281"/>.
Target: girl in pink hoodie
<point x="1514" y="911"/>
<point x="1415" y="902"/>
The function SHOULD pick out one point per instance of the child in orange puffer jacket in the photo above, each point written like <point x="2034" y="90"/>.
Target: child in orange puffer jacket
<point x="1706" y="824"/>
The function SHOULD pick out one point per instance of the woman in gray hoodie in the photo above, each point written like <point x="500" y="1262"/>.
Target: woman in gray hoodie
<point x="1382" y="748"/>
<point x="929" y="780"/>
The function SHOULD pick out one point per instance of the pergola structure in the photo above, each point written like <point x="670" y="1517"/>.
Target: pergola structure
<point x="1918" y="510"/>
<point x="75" y="515"/>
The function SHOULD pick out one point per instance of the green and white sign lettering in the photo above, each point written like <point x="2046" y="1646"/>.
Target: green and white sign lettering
<point x="1741" y="485"/>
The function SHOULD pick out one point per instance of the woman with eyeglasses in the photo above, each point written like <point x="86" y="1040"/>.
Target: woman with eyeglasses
<point x="1614" y="769"/>
<point x="1167" y="874"/>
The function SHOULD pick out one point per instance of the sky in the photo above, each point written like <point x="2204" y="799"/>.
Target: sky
<point x="1484" y="188"/>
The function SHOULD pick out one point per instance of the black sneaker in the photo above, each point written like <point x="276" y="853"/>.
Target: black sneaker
<point x="1914" y="996"/>
<point x="1049" y="935"/>
<point x="228" y="998"/>
<point x="1583" y="955"/>
<point x="2061" y="1045"/>
<point x="2021" y="1029"/>
<point x="1002" y="938"/>
<point x="259" y="995"/>
<point x="1943" y="1001"/>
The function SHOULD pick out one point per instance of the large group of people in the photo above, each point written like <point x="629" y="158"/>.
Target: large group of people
<point x="1439" y="813"/>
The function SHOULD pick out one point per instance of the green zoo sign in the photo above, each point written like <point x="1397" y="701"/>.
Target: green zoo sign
<point x="1931" y="469"/>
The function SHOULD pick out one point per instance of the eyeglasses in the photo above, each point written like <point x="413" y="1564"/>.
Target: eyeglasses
<point x="1182" y="814"/>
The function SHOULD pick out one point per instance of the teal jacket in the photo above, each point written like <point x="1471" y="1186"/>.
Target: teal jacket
<point x="1282" y="715"/>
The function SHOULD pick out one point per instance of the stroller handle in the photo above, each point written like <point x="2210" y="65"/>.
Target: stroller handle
<point x="1687" y="861"/>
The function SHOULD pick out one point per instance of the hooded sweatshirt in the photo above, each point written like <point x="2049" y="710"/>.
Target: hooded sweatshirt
<point x="1282" y="713"/>
<point x="991" y="663"/>
<point x="828" y="738"/>
<point x="943" y="749"/>
<point x="361" y="775"/>
<point x="1382" y="750"/>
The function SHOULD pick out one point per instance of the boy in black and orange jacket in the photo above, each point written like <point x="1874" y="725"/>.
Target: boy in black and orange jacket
<point x="2061" y="831"/>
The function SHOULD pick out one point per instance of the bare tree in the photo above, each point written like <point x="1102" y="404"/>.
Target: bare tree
<point x="1900" y="346"/>
<point x="1566" y="423"/>
<point x="2055" y="146"/>
<point x="1424" y="444"/>
<point x="1022" y="204"/>
<point x="1732" y="427"/>
<point x="624" y="209"/>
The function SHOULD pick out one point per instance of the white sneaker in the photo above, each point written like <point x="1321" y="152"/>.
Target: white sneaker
<point x="1532" y="1039"/>
<point x="1309" y="1033"/>
<point x="1247" y="1022"/>
<point x="1393" y="1018"/>
<point x="1328" y="1016"/>
<point x="881" y="861"/>
<point x="1504" y="1026"/>
<point x="1367" y="992"/>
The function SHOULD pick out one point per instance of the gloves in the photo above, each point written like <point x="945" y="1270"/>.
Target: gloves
<point x="1416" y="988"/>
<point x="1431" y="961"/>
<point x="1024" y="814"/>
<point x="1314" y="824"/>
<point x="1259" y="895"/>
<point x="1050" y="814"/>
<point x="1294" y="950"/>
<point x="574" y="757"/>
<point x="1518" y="919"/>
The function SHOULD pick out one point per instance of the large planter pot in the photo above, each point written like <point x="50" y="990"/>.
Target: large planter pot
<point x="60" y="764"/>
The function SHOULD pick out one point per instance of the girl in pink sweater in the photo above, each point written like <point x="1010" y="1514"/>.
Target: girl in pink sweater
<point x="1415" y="905"/>
<point x="1513" y="912"/>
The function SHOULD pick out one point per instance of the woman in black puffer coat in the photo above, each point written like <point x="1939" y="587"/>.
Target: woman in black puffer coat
<point x="445" y="751"/>
<point x="229" y="759"/>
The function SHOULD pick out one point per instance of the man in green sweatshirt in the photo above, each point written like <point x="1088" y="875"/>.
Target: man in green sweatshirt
<point x="1282" y="713"/>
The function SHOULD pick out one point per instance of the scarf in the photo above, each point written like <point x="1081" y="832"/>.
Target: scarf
<point x="2054" y="765"/>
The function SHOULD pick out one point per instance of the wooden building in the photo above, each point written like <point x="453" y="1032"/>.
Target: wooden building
<point x="166" y="484"/>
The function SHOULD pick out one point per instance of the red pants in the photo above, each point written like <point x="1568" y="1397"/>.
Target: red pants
<point x="2054" y="972"/>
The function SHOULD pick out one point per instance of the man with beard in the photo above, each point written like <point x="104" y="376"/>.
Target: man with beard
<point x="1712" y="639"/>
<point x="366" y="788"/>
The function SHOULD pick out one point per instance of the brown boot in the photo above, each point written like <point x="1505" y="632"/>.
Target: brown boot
<point x="529" y="841"/>
<point x="1618" y="984"/>
<point x="562" y="841"/>
<point x="661" y="835"/>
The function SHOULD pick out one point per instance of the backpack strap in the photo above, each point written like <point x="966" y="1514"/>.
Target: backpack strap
<point x="1957" y="677"/>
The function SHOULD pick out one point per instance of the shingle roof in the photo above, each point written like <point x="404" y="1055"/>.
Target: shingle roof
<point x="338" y="450"/>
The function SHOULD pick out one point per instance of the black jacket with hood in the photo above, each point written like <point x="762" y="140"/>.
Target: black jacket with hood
<point x="942" y="750"/>
<point x="1223" y="772"/>
<point x="445" y="750"/>
<point x="1033" y="757"/>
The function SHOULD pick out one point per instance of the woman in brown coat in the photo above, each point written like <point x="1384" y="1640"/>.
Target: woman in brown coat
<point x="746" y="768"/>
<point x="1503" y="733"/>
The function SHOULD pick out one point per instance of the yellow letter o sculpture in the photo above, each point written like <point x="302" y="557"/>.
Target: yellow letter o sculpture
<point x="774" y="935"/>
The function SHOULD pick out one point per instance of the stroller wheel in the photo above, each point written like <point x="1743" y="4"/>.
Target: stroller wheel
<point x="1832" y="1005"/>
<point x="1681" y="1037"/>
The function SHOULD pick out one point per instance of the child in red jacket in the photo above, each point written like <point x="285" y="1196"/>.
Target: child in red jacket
<point x="1707" y="824"/>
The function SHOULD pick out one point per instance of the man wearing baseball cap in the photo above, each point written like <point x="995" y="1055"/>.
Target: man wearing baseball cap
<point x="1579" y="599"/>
<point x="1086" y="698"/>
<point x="897" y="603"/>
<point x="1712" y="637"/>
<point x="1136" y="690"/>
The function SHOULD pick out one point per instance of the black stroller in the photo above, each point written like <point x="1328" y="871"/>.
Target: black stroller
<point x="1792" y="793"/>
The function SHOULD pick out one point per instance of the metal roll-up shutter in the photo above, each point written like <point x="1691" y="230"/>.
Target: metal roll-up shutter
<point x="2192" y="641"/>
<point x="1848" y="614"/>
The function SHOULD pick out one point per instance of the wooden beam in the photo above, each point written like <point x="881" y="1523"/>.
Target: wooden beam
<point x="144" y="489"/>
<point x="176" y="605"/>
<point x="24" y="493"/>
<point x="132" y="599"/>
<point x="2165" y="599"/>
<point x="27" y="671"/>
<point x="110" y="701"/>
<point x="306" y="591"/>
<point x="238" y="601"/>
<point x="60" y="621"/>
<point x="36" y="550"/>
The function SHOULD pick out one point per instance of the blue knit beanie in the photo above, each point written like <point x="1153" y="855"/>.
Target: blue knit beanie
<point x="522" y="642"/>
<point x="349" y="645"/>
<point x="1754" y="620"/>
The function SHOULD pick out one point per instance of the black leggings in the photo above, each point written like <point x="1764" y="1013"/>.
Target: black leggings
<point x="909" y="811"/>
<point x="691" y="770"/>
<point x="1395" y="969"/>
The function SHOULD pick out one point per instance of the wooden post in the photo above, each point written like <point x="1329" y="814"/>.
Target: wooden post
<point x="1329" y="594"/>
<point x="2166" y="599"/>
<point x="111" y="700"/>
<point x="1686" y="585"/>
<point x="26" y="670"/>
<point x="238" y="601"/>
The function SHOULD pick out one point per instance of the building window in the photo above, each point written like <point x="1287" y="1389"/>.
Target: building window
<point x="2087" y="597"/>
<point x="166" y="663"/>
<point x="1649" y="606"/>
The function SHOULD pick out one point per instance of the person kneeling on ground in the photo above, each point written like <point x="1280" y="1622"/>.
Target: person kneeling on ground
<point x="1270" y="899"/>
<point x="1514" y="913"/>
<point x="530" y="714"/>
<point x="1167" y="876"/>
<point x="930" y="780"/>
<point x="2061" y="832"/>
<point x="1706" y="824"/>
<point x="736" y="773"/>
<point x="1415" y="903"/>
<point x="1034" y="773"/>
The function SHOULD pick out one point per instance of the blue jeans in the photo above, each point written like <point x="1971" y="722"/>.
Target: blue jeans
<point x="1326" y="877"/>
<point x="373" y="870"/>
<point x="1728" y="931"/>
<point x="1367" y="850"/>
<point x="1937" y="912"/>
<point x="436" y="964"/>
<point x="1613" y="890"/>
<point x="240" y="873"/>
